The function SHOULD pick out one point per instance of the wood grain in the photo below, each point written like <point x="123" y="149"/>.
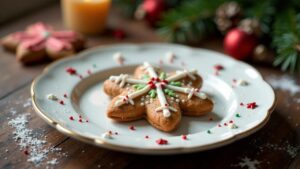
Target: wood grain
<point x="272" y="146"/>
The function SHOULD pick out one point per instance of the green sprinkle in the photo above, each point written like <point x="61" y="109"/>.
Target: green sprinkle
<point x="170" y="92"/>
<point x="94" y="65"/>
<point x="138" y="86"/>
<point x="176" y="84"/>
<point x="208" y="131"/>
<point x="163" y="75"/>
<point x="237" y="115"/>
<point x="152" y="93"/>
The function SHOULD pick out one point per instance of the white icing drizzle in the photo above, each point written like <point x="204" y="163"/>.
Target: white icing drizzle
<point x="190" y="91"/>
<point x="163" y="102"/>
<point x="181" y="74"/>
<point x="122" y="79"/>
<point x="150" y="70"/>
<point x="129" y="98"/>
<point x="160" y="94"/>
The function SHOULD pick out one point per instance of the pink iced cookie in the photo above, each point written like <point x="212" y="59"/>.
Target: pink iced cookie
<point x="39" y="41"/>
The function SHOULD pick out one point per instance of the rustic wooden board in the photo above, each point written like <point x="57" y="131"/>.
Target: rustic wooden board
<point x="274" y="146"/>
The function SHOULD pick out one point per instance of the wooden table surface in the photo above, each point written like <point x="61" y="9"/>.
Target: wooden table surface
<point x="275" y="146"/>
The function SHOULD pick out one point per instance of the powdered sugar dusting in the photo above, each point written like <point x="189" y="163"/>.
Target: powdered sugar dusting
<point x="54" y="161"/>
<point x="247" y="162"/>
<point x="284" y="83"/>
<point x="286" y="147"/>
<point x="31" y="143"/>
<point x="27" y="103"/>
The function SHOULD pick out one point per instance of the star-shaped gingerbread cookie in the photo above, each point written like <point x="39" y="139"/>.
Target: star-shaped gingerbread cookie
<point x="160" y="97"/>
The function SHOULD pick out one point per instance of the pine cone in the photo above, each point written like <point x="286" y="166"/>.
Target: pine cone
<point x="262" y="54"/>
<point x="251" y="26"/>
<point x="228" y="16"/>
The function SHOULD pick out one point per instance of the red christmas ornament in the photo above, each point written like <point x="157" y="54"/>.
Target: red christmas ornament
<point x="153" y="10"/>
<point x="239" y="44"/>
<point x="119" y="34"/>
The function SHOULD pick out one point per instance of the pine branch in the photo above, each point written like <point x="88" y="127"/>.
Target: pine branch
<point x="190" y="22"/>
<point x="286" y="40"/>
<point x="263" y="10"/>
<point x="128" y="6"/>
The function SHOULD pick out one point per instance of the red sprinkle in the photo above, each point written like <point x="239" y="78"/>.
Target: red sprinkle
<point x="71" y="71"/>
<point x="146" y="137"/>
<point x="80" y="116"/>
<point x="152" y="86"/>
<point x="26" y="152"/>
<point x="241" y="104"/>
<point x="87" y="121"/>
<point x="131" y="127"/>
<point x="219" y="125"/>
<point x="89" y="72"/>
<point x="119" y="34"/>
<point x="252" y="105"/>
<point x="80" y="120"/>
<point x="165" y="81"/>
<point x="65" y="95"/>
<point x="61" y="102"/>
<point x="230" y="121"/>
<point x="161" y="141"/>
<point x="184" y="137"/>
<point x="219" y="67"/>
<point x="71" y="118"/>
<point x="225" y="124"/>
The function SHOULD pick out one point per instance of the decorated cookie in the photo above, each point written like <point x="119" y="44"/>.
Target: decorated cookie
<point x="160" y="97"/>
<point x="39" y="41"/>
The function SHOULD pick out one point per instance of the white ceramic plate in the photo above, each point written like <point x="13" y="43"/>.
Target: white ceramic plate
<point x="86" y="98"/>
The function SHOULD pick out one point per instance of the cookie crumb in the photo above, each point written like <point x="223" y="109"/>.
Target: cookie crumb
<point x="118" y="57"/>
<point x="52" y="97"/>
<point x="232" y="126"/>
<point x="107" y="135"/>
<point x="170" y="57"/>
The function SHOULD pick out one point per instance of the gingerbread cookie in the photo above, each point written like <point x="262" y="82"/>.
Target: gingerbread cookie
<point x="39" y="41"/>
<point x="162" y="98"/>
